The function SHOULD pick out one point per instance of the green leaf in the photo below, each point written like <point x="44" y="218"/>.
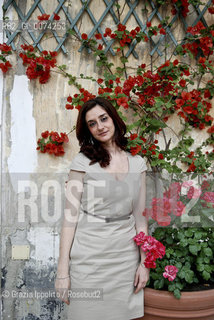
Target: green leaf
<point x="206" y="275"/>
<point x="155" y="124"/>
<point x="189" y="276"/>
<point x="194" y="249"/>
<point x="181" y="274"/>
<point x="177" y="293"/>
<point x="198" y="235"/>
<point x="123" y="60"/>
<point x="179" y="285"/>
<point x="158" y="284"/>
<point x="183" y="242"/>
<point x="208" y="252"/>
<point x="206" y="260"/>
<point x="171" y="287"/>
<point x="200" y="267"/>
<point x="72" y="32"/>
<point x="189" y="233"/>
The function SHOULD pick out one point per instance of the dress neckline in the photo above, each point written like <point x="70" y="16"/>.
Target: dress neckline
<point x="112" y="175"/>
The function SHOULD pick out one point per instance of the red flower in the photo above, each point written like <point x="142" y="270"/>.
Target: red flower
<point x="54" y="144"/>
<point x="160" y="156"/>
<point x="118" y="90"/>
<point x="133" y="136"/>
<point x="98" y="36"/>
<point x="100" y="47"/>
<point x="78" y="107"/>
<point x="56" y="16"/>
<point x="186" y="72"/>
<point x="113" y="36"/>
<point x="107" y="32"/>
<point x="123" y="101"/>
<point x="188" y="109"/>
<point x="211" y="10"/>
<point x="5" y="48"/>
<point x="191" y="168"/>
<point x="207" y="94"/>
<point x="4" y="66"/>
<point x="191" y="154"/>
<point x="121" y="27"/>
<point x="162" y="31"/>
<point x="53" y="53"/>
<point x="84" y="36"/>
<point x="133" y="33"/>
<point x="69" y="99"/>
<point x="148" y="24"/>
<point x="201" y="60"/>
<point x="64" y="137"/>
<point x="99" y="81"/>
<point x="211" y="129"/>
<point x="143" y="139"/>
<point x="69" y="106"/>
<point x="45" y="134"/>
<point x="43" y="17"/>
<point x="182" y="83"/>
<point x="135" y="150"/>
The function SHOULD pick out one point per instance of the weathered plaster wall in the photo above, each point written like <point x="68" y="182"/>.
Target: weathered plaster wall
<point x="29" y="108"/>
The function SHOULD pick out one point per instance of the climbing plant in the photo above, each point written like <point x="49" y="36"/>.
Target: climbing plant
<point x="153" y="93"/>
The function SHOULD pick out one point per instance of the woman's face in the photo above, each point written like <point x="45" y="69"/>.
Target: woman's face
<point x="100" y="124"/>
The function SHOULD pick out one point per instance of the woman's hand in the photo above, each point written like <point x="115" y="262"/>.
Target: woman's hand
<point x="141" y="278"/>
<point x="62" y="286"/>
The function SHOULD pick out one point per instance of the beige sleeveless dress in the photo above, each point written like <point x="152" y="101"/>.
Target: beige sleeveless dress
<point x="104" y="256"/>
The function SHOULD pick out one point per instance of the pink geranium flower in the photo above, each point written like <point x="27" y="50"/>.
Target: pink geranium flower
<point x="193" y="193"/>
<point x="208" y="196"/>
<point x="170" y="272"/>
<point x="152" y="247"/>
<point x="140" y="238"/>
<point x="187" y="184"/>
<point x="178" y="209"/>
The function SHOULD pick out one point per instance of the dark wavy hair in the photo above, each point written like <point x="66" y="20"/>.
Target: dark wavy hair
<point x="91" y="147"/>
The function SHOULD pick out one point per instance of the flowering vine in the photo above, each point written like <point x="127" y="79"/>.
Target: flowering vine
<point x="52" y="142"/>
<point x="154" y="95"/>
<point x="39" y="64"/>
<point x="5" y="51"/>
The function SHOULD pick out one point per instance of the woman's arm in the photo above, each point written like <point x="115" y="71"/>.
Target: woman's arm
<point x="140" y="221"/>
<point x="142" y="274"/>
<point x="74" y="188"/>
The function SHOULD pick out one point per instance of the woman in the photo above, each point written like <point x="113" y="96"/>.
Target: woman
<point x="105" y="198"/>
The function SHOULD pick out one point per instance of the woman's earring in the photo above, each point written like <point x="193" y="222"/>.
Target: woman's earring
<point x="91" y="140"/>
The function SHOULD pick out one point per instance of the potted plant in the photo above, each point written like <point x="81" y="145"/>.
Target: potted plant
<point x="181" y="284"/>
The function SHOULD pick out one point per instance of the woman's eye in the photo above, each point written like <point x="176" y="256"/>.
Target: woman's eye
<point x="104" y="118"/>
<point x="92" y="124"/>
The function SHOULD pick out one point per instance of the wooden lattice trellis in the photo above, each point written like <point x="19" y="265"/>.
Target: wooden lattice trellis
<point x="97" y="24"/>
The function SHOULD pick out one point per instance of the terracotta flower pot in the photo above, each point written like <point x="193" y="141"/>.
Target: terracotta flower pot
<point x="162" y="305"/>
